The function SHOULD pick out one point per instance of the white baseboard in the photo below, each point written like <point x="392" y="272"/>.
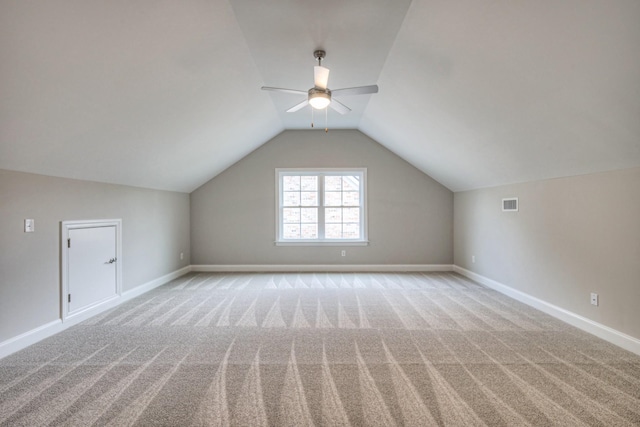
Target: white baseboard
<point x="601" y="331"/>
<point x="24" y="340"/>
<point x="260" y="268"/>
<point x="28" y="338"/>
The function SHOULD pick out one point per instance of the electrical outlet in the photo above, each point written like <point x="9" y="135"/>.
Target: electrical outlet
<point x="594" y="299"/>
<point x="473" y="259"/>
<point x="343" y="253"/>
<point x="181" y="255"/>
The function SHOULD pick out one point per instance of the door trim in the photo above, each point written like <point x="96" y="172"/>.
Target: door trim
<point x="65" y="227"/>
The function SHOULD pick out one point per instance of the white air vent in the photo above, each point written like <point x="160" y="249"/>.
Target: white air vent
<point x="510" y="205"/>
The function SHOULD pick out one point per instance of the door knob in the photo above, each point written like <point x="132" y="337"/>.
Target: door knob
<point x="112" y="260"/>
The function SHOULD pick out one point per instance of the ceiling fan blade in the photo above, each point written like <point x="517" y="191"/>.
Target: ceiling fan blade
<point x="279" y="89"/>
<point x="360" y="90"/>
<point x="320" y="76"/>
<point x="339" y="106"/>
<point x="298" y="106"/>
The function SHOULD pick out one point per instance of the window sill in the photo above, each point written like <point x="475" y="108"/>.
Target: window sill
<point x="312" y="243"/>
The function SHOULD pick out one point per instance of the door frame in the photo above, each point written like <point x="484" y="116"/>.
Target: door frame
<point x="65" y="227"/>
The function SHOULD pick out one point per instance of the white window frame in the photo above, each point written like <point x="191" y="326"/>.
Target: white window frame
<point x="320" y="172"/>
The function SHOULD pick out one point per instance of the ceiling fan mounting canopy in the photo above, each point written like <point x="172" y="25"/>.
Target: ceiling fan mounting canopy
<point x="319" y="55"/>
<point x="319" y="96"/>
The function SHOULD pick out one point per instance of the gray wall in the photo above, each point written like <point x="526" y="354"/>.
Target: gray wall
<point x="572" y="236"/>
<point x="155" y="229"/>
<point x="410" y="215"/>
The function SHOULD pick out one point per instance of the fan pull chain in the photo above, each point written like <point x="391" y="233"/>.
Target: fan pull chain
<point x="326" y="121"/>
<point x="312" y="116"/>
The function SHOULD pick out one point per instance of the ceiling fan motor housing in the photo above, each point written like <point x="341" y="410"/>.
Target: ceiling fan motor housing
<point x="319" y="98"/>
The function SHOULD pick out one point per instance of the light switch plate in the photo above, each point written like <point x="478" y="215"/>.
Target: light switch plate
<point x="29" y="225"/>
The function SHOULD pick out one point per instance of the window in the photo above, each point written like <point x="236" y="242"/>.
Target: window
<point x="321" y="206"/>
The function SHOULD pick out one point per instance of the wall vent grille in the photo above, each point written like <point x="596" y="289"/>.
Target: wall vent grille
<point x="510" y="205"/>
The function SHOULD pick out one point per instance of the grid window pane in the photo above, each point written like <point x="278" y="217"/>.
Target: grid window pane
<point x="291" y="231"/>
<point x="332" y="198"/>
<point x="309" y="231"/>
<point x="309" y="183"/>
<point x="351" y="198"/>
<point x="350" y="183"/>
<point x="332" y="215"/>
<point x="333" y="231"/>
<point x="290" y="183"/>
<point x="351" y="215"/>
<point x="291" y="198"/>
<point x="309" y="198"/>
<point x="309" y="215"/>
<point x="291" y="215"/>
<point x="351" y="231"/>
<point x="333" y="183"/>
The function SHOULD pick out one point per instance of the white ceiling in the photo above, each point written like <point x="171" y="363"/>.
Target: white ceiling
<point x="166" y="94"/>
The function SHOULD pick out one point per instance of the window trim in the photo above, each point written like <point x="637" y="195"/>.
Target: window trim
<point x="279" y="241"/>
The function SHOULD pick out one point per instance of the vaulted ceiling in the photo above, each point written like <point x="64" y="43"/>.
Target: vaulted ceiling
<point x="166" y="94"/>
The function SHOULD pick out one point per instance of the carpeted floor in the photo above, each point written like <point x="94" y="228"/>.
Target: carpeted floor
<point x="321" y="349"/>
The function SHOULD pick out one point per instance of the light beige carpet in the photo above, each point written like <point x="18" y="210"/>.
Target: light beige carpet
<point x="325" y="350"/>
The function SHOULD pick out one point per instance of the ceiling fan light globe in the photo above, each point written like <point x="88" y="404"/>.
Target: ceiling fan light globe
<point x="319" y="100"/>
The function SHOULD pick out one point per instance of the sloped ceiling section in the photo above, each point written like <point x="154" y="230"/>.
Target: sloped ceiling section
<point x="485" y="93"/>
<point x="156" y="94"/>
<point x="166" y="94"/>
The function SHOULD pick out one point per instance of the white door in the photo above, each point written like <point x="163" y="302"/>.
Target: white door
<point x="92" y="267"/>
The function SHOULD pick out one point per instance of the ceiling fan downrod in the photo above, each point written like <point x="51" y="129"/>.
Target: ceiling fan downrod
<point x="319" y="55"/>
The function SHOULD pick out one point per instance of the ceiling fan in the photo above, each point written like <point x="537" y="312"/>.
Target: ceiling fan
<point x="320" y="96"/>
